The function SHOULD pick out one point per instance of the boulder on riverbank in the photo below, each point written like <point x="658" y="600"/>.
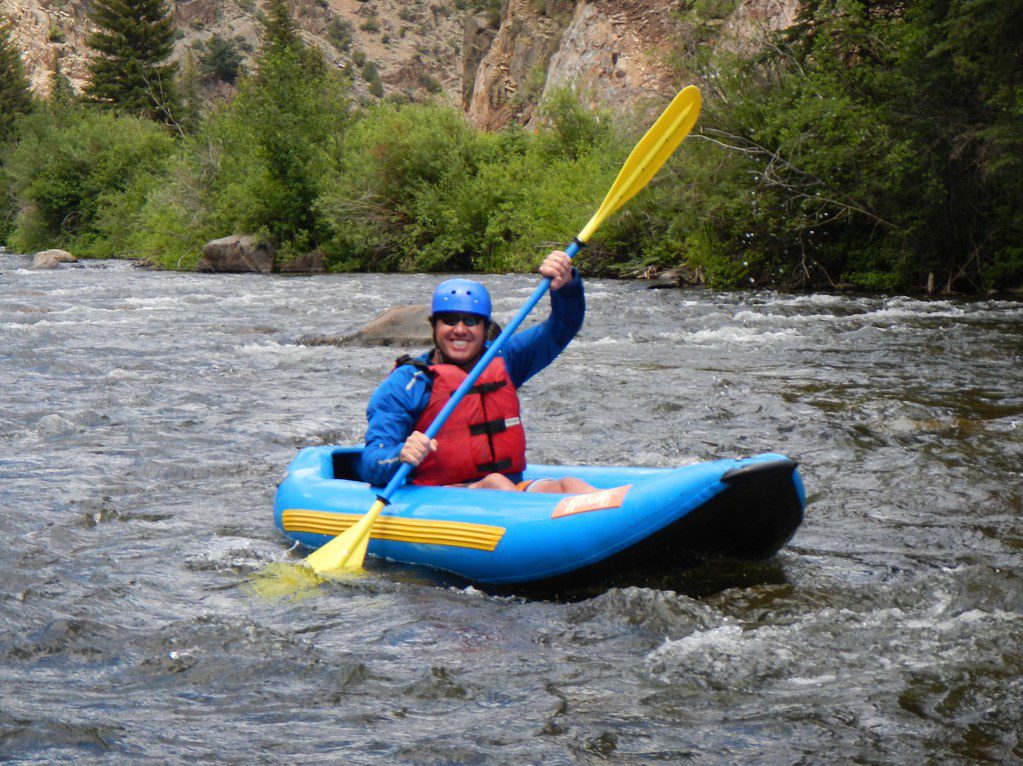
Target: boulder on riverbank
<point x="677" y="277"/>
<point x="52" y="259"/>
<point x="407" y="325"/>
<point x="311" y="263"/>
<point x="249" y="254"/>
<point x="237" y="254"/>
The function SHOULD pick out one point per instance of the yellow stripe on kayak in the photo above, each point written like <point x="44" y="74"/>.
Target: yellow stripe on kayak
<point x="455" y="533"/>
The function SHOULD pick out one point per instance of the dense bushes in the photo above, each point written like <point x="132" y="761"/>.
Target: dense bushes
<point x="79" y="176"/>
<point x="418" y="189"/>
<point x="872" y="145"/>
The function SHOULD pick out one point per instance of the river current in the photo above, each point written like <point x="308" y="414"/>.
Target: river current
<point x="146" y="417"/>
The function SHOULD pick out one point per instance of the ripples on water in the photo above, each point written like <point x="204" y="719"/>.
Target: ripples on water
<point x="146" y="417"/>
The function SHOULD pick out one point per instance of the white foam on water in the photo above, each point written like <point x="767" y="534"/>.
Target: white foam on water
<point x="816" y="299"/>
<point x="91" y="325"/>
<point x="119" y="374"/>
<point x="729" y="335"/>
<point x="159" y="303"/>
<point x="290" y="351"/>
<point x="606" y="340"/>
<point x="813" y="681"/>
<point x="53" y="424"/>
<point x="722" y="657"/>
<point x="773" y="319"/>
<point x="41" y="323"/>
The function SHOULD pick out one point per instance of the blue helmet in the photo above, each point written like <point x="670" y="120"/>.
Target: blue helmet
<point x="461" y="296"/>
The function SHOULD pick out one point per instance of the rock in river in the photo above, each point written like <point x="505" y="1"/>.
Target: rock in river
<point x="52" y="259"/>
<point x="405" y="325"/>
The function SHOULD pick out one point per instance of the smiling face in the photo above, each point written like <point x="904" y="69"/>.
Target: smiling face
<point x="458" y="344"/>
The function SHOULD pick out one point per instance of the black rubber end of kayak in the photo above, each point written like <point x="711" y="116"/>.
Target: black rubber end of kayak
<point x="759" y="471"/>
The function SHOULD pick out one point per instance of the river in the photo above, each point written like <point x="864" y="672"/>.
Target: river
<point x="147" y="416"/>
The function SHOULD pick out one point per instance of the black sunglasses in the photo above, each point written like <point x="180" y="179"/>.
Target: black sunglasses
<point x="468" y="320"/>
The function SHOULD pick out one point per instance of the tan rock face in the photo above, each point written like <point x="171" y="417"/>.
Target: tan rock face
<point x="47" y="29"/>
<point x="753" y="19"/>
<point x="614" y="53"/>
<point x="511" y="74"/>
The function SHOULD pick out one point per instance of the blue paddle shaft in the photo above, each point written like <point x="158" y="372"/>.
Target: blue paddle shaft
<point x="403" y="471"/>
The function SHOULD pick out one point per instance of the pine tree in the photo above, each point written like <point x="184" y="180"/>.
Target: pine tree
<point x="294" y="106"/>
<point x="15" y="97"/>
<point x="62" y="92"/>
<point x="133" y="40"/>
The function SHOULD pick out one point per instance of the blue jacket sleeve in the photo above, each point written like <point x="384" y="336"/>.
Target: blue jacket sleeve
<point x="392" y="413"/>
<point x="529" y="351"/>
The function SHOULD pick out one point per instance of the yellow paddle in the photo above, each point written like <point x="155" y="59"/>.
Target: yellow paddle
<point x="347" y="551"/>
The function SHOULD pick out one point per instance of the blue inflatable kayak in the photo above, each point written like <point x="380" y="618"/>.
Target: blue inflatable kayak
<point x="639" y="517"/>
<point x="645" y="517"/>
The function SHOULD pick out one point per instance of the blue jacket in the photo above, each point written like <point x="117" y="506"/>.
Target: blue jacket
<point x="399" y="400"/>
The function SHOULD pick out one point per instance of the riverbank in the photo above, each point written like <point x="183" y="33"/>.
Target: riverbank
<point x="650" y="278"/>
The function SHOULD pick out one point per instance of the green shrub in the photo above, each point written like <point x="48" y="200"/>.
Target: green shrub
<point x="339" y="32"/>
<point x="432" y="84"/>
<point x="572" y="128"/>
<point x="844" y="182"/>
<point x="71" y="167"/>
<point x="390" y="154"/>
<point x="421" y="190"/>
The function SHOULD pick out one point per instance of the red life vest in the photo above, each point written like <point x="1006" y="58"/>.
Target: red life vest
<point x="482" y="435"/>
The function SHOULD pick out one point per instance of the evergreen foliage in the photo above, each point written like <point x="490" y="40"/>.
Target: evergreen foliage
<point x="62" y="92"/>
<point x="220" y="61"/>
<point x="15" y="101"/>
<point x="295" y="109"/>
<point x="257" y="165"/>
<point x="131" y="74"/>
<point x="872" y="145"/>
<point x="15" y="97"/>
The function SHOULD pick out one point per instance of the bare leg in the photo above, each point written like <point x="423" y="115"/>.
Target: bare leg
<point x="567" y="486"/>
<point x="494" y="481"/>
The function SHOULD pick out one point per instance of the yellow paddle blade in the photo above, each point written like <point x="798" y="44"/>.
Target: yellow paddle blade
<point x="284" y="581"/>
<point x="650" y="153"/>
<point x="347" y="551"/>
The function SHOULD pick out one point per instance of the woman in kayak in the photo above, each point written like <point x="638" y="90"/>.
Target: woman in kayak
<point x="482" y="444"/>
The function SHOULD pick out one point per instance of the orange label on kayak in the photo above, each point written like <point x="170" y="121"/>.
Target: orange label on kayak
<point x="591" y="501"/>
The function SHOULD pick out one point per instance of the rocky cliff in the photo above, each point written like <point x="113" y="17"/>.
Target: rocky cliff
<point x="497" y="63"/>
